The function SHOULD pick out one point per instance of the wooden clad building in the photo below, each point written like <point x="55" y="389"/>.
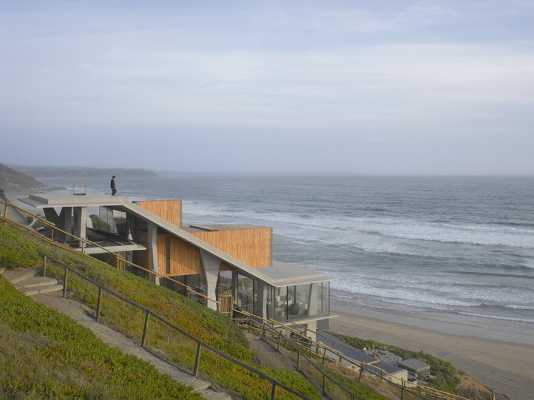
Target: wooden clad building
<point x="249" y="244"/>
<point x="169" y="210"/>
<point x="177" y="257"/>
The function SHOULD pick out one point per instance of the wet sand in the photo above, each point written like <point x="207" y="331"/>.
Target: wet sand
<point x="500" y="354"/>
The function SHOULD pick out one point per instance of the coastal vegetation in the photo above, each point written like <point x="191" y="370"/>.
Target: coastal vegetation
<point x="22" y="249"/>
<point x="44" y="354"/>
<point x="444" y="376"/>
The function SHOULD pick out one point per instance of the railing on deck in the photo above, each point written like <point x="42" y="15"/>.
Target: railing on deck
<point x="291" y="335"/>
<point x="149" y="314"/>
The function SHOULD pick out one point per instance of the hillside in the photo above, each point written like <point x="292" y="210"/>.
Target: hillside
<point x="14" y="180"/>
<point x="44" y="354"/>
<point x="21" y="249"/>
<point x="444" y="375"/>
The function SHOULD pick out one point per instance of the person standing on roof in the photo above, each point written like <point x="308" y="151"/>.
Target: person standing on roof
<point x="112" y="186"/>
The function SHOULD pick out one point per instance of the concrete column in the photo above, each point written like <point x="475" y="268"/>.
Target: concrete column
<point x="65" y="220"/>
<point x="311" y="328"/>
<point x="211" y="265"/>
<point x="314" y="299"/>
<point x="152" y="244"/>
<point x="235" y="282"/>
<point x="80" y="222"/>
<point x="261" y="308"/>
<point x="52" y="216"/>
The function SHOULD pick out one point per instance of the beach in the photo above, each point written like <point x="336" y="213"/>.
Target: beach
<point x="494" y="352"/>
<point x="440" y="264"/>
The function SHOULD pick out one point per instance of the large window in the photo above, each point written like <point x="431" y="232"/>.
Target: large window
<point x="245" y="293"/>
<point x="299" y="302"/>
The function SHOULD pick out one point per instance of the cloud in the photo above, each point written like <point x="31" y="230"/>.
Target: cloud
<point x="383" y="75"/>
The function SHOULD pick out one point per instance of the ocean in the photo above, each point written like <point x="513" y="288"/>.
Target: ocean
<point x="457" y="245"/>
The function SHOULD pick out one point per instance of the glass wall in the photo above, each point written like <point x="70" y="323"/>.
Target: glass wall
<point x="298" y="302"/>
<point x="245" y="293"/>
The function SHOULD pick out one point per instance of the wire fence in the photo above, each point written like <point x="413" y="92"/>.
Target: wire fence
<point x="291" y="337"/>
<point x="150" y="330"/>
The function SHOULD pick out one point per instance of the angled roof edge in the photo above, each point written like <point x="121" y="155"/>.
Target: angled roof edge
<point x="67" y="200"/>
<point x="190" y="238"/>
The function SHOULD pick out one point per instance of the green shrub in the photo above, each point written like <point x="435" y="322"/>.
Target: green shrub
<point x="44" y="354"/>
<point x="444" y="375"/>
<point x="197" y="320"/>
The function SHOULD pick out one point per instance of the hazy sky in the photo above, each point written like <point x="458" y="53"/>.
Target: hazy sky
<point x="401" y="87"/>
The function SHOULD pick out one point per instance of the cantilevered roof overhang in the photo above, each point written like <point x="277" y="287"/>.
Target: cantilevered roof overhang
<point x="66" y="199"/>
<point x="278" y="275"/>
<point x="290" y="274"/>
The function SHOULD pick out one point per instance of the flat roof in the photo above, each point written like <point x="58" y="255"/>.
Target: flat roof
<point x="414" y="364"/>
<point x="114" y="248"/>
<point x="278" y="275"/>
<point x="289" y="274"/>
<point x="222" y="227"/>
<point x="387" y="367"/>
<point x="345" y="348"/>
<point x="68" y="199"/>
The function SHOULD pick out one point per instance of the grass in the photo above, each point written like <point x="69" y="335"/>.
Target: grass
<point x="21" y="249"/>
<point x="46" y="355"/>
<point x="444" y="376"/>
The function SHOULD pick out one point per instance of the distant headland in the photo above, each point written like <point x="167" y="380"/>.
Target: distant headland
<point x="66" y="171"/>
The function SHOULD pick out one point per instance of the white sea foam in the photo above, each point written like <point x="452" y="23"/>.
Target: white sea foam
<point x="374" y="234"/>
<point x="498" y="317"/>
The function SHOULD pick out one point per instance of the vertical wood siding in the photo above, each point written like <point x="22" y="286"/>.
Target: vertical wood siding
<point x="169" y="210"/>
<point x="252" y="246"/>
<point x="184" y="258"/>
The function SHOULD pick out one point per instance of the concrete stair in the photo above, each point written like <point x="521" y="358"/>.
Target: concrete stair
<point x="15" y="276"/>
<point x="43" y="290"/>
<point x="28" y="282"/>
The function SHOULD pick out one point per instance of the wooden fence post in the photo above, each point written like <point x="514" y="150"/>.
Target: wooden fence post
<point x="273" y="391"/>
<point x="145" y="329"/>
<point x="197" y="359"/>
<point x="65" y="279"/>
<point x="324" y="384"/>
<point x="402" y="390"/>
<point x="362" y="367"/>
<point x="98" y="304"/>
<point x="44" y="265"/>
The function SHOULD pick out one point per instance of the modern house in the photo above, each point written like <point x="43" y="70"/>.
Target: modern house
<point x="232" y="264"/>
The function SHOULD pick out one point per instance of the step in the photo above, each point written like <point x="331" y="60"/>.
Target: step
<point x="210" y="394"/>
<point x="18" y="275"/>
<point x="36" y="281"/>
<point x="42" y="290"/>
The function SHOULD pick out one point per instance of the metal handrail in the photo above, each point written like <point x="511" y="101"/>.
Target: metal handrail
<point x="274" y="324"/>
<point x="85" y="242"/>
<point x="149" y="313"/>
<point x="300" y="355"/>
<point x="376" y="371"/>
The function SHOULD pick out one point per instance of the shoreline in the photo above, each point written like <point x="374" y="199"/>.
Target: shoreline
<point x="490" y="352"/>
